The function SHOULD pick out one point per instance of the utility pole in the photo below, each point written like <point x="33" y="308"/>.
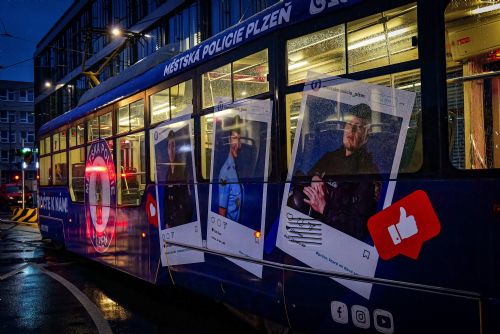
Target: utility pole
<point x="23" y="164"/>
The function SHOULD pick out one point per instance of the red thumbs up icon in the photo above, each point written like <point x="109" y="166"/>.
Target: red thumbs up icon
<point x="152" y="210"/>
<point x="403" y="227"/>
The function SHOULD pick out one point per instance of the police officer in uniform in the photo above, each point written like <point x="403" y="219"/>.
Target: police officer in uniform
<point x="230" y="190"/>
<point x="178" y="205"/>
<point x="346" y="205"/>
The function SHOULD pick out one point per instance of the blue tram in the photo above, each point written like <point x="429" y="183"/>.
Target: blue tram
<point x="330" y="166"/>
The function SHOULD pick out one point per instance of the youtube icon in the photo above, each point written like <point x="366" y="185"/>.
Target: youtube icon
<point x="404" y="226"/>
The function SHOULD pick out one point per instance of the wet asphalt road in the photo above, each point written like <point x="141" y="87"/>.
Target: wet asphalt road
<point x="45" y="290"/>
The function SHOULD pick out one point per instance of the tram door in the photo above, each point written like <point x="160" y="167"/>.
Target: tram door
<point x="132" y="229"/>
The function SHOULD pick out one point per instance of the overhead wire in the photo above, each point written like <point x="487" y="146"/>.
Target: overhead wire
<point x="15" y="64"/>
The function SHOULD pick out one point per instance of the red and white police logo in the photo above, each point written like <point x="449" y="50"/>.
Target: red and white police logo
<point x="100" y="195"/>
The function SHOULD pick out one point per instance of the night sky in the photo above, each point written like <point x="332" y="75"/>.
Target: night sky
<point x="27" y="21"/>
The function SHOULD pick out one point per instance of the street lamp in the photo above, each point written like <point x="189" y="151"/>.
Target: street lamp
<point x="116" y="32"/>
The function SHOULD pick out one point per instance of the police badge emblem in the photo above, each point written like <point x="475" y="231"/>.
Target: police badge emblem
<point x="100" y="195"/>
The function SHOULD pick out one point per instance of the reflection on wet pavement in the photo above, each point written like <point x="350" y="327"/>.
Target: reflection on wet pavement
<point x="31" y="301"/>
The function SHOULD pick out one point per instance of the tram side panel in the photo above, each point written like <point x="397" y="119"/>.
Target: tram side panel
<point x="438" y="291"/>
<point x="53" y="205"/>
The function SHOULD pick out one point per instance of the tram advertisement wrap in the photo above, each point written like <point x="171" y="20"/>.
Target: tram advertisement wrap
<point x="176" y="191"/>
<point x="239" y="171"/>
<point x="345" y="128"/>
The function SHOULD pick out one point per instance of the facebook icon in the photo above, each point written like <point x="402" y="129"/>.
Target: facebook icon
<point x="339" y="312"/>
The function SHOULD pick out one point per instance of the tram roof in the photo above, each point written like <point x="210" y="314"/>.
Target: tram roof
<point x="160" y="66"/>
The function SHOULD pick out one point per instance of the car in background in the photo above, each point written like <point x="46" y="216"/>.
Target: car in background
<point x="11" y="196"/>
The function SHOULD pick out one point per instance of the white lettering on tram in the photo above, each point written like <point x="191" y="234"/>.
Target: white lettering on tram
<point x="317" y="6"/>
<point x="50" y="203"/>
<point x="280" y="15"/>
<point x="182" y="62"/>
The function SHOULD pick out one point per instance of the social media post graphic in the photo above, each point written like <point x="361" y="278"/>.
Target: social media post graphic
<point x="239" y="171"/>
<point x="349" y="138"/>
<point x="176" y="191"/>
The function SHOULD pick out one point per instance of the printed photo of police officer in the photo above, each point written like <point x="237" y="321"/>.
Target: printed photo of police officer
<point x="175" y="179"/>
<point x="342" y="153"/>
<point x="238" y="169"/>
<point x="230" y="188"/>
<point x="178" y="195"/>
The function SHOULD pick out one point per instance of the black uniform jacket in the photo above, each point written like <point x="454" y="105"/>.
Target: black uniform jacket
<point x="349" y="204"/>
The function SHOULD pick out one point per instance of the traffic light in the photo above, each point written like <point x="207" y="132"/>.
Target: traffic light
<point x="26" y="153"/>
<point x="28" y="156"/>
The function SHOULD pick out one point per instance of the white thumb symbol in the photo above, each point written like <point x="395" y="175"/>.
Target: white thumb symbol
<point x="402" y="214"/>
<point x="407" y="225"/>
<point x="152" y="209"/>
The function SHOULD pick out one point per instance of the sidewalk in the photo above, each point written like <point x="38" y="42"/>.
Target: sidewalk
<point x="5" y="219"/>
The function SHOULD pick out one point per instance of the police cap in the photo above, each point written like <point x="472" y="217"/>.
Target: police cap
<point x="233" y="124"/>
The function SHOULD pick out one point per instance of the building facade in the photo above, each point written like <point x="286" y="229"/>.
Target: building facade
<point x="80" y="52"/>
<point x="17" y="128"/>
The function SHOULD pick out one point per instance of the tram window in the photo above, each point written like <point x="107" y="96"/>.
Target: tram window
<point x="123" y="119"/>
<point x="131" y="162"/>
<point x="137" y="115"/>
<point x="412" y="156"/>
<point x="172" y="102"/>
<point x="105" y="125"/>
<point x="322" y="51"/>
<point x="47" y="145"/>
<point x="92" y="130"/>
<point x="160" y="106"/>
<point x="206" y="144"/>
<point x="72" y="137"/>
<point x="248" y="78"/>
<point x="45" y="171"/>
<point x="59" y="169"/>
<point x="62" y="140"/>
<point x="55" y="142"/>
<point x="181" y="96"/>
<point x="216" y="84"/>
<point x="383" y="39"/>
<point x="77" y="174"/>
<point x="293" y="102"/>
<point x="77" y="135"/>
<point x="131" y="117"/>
<point x="250" y="75"/>
<point x="473" y="68"/>
<point x="42" y="146"/>
<point x="80" y="134"/>
<point x="59" y="141"/>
